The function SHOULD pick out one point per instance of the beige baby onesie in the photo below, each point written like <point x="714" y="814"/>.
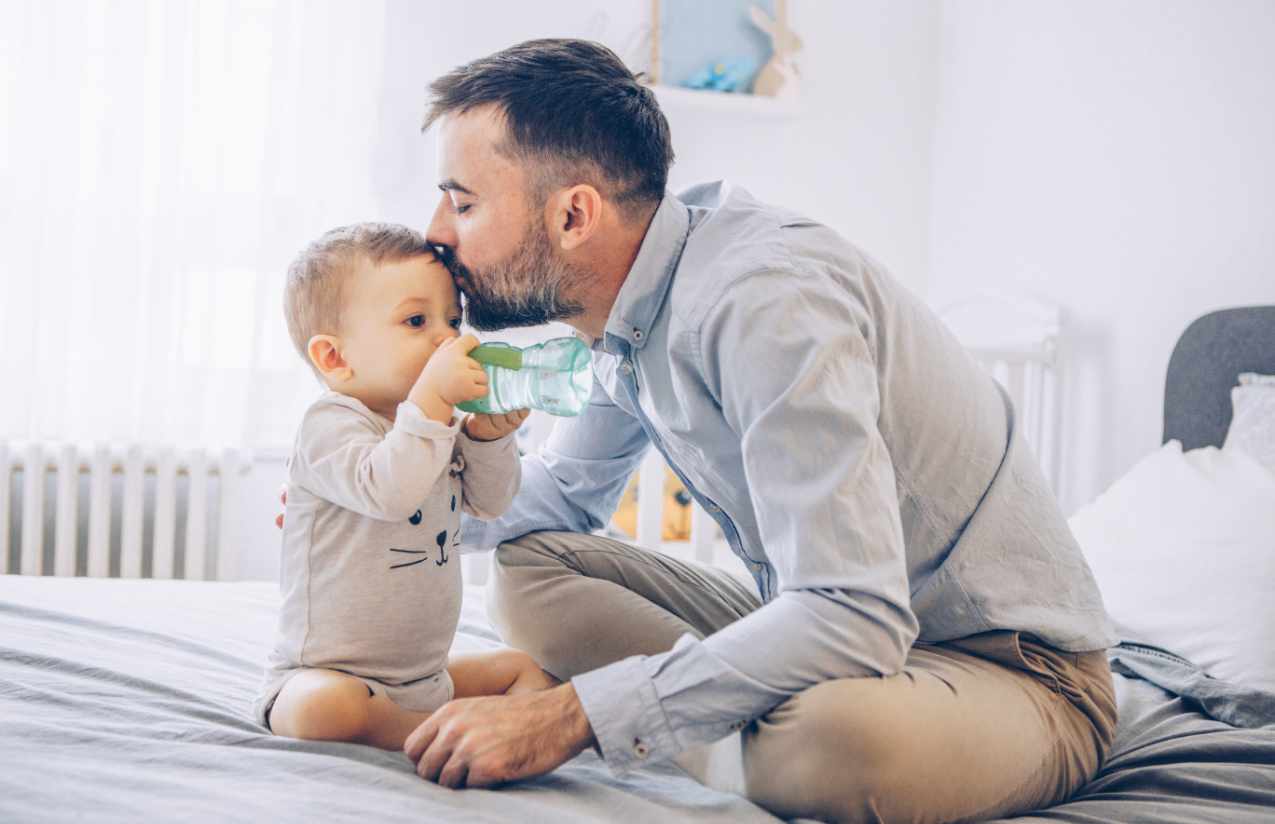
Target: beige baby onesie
<point x="370" y="580"/>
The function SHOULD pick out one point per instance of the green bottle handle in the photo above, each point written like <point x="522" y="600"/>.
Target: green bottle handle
<point x="497" y="354"/>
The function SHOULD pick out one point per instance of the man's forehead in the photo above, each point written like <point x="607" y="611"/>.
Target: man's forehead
<point x="468" y="147"/>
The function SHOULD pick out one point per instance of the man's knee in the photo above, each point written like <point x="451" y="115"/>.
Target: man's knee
<point x="829" y="753"/>
<point x="520" y="600"/>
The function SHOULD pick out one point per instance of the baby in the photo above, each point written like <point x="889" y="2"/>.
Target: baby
<point x="379" y="475"/>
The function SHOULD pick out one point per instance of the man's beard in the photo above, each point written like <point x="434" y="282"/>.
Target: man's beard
<point x="528" y="289"/>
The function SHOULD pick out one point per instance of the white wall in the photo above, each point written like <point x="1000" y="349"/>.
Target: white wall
<point x="856" y="155"/>
<point x="1115" y="158"/>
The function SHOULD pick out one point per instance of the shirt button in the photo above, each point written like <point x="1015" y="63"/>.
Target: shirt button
<point x="637" y="334"/>
<point x="713" y="508"/>
<point x="640" y="749"/>
<point x="626" y="368"/>
<point x="756" y="566"/>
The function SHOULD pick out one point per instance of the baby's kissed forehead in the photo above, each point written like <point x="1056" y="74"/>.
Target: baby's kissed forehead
<point x="419" y="281"/>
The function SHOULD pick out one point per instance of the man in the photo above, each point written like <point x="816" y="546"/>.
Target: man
<point x="924" y="641"/>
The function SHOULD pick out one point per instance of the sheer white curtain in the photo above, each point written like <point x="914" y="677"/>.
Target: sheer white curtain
<point x="160" y="163"/>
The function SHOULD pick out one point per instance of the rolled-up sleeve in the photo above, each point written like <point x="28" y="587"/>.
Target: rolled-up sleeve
<point x="790" y="361"/>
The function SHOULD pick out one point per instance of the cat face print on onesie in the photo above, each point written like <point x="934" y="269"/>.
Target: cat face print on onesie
<point x="440" y="539"/>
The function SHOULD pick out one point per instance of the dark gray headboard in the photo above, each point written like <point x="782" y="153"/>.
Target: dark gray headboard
<point x="1212" y="351"/>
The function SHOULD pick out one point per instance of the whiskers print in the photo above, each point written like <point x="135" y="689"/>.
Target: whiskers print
<point x="424" y="552"/>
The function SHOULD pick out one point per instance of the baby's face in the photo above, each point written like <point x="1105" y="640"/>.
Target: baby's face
<point x="395" y="315"/>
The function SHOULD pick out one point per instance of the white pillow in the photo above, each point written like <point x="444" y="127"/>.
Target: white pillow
<point x="1253" y="420"/>
<point x="1183" y="548"/>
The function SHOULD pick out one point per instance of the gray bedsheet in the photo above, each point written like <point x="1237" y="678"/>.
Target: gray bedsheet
<point x="128" y="700"/>
<point x="1188" y="749"/>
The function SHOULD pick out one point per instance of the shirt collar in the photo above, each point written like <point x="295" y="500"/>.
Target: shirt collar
<point x="648" y="281"/>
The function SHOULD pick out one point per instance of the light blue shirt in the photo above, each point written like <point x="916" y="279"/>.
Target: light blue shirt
<point x="863" y="466"/>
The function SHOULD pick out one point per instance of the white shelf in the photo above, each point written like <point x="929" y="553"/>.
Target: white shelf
<point x="675" y="98"/>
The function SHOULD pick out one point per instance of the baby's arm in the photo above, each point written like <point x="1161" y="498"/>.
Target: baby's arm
<point x="342" y="457"/>
<point x="491" y="476"/>
<point x="502" y="672"/>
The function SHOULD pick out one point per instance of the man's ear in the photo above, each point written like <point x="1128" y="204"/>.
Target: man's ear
<point x="325" y="354"/>
<point x="574" y="215"/>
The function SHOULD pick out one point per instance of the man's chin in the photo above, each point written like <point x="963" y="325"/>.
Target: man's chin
<point x="493" y="319"/>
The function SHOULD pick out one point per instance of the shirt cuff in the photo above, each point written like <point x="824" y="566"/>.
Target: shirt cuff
<point x="475" y="535"/>
<point x="625" y="713"/>
<point x="410" y="419"/>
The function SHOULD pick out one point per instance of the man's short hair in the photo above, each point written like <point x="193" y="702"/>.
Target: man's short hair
<point x="574" y="110"/>
<point x="312" y="297"/>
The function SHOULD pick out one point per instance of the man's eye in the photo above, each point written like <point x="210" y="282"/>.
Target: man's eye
<point x="416" y="321"/>
<point x="454" y="323"/>
<point x="460" y="210"/>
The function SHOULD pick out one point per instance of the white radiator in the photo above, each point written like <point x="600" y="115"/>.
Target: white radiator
<point x="64" y="497"/>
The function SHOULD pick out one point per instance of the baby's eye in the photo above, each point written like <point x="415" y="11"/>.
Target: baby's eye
<point x="416" y="321"/>
<point x="454" y="323"/>
<point x="460" y="210"/>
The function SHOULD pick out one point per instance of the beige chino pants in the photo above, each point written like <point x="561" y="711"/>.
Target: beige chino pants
<point x="978" y="728"/>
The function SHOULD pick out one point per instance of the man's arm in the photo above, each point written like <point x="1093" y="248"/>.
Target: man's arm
<point x="823" y="489"/>
<point x="574" y="481"/>
<point x="791" y="364"/>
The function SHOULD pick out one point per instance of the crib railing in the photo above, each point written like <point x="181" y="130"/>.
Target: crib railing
<point x="1030" y="377"/>
<point x="705" y="541"/>
<point x="1014" y="338"/>
<point x="1017" y="339"/>
<point x="173" y="506"/>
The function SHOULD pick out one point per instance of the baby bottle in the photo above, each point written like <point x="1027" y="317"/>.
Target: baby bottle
<point x="555" y="376"/>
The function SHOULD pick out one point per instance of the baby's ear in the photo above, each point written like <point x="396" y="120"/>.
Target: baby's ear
<point x="325" y="354"/>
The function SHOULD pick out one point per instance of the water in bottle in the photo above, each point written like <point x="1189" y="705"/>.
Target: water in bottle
<point x="555" y="376"/>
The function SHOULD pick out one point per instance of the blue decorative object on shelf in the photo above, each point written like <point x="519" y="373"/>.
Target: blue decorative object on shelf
<point x="694" y="35"/>
<point x="725" y="75"/>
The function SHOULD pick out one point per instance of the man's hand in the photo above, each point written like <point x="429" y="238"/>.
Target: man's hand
<point x="490" y="427"/>
<point x="481" y="742"/>
<point x="449" y="377"/>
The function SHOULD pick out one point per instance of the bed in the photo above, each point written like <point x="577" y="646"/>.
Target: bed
<point x="123" y="700"/>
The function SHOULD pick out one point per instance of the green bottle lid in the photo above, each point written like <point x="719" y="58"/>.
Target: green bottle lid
<point x="497" y="354"/>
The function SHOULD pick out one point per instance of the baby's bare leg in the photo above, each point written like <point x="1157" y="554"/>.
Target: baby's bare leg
<point x="506" y="671"/>
<point x="325" y="705"/>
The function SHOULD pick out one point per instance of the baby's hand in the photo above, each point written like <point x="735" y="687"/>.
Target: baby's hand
<point x="450" y="377"/>
<point x="491" y="427"/>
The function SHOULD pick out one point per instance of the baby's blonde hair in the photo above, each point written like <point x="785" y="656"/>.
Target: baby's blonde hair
<point x="312" y="298"/>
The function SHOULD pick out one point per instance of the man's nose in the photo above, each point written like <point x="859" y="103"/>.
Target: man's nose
<point x="441" y="232"/>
